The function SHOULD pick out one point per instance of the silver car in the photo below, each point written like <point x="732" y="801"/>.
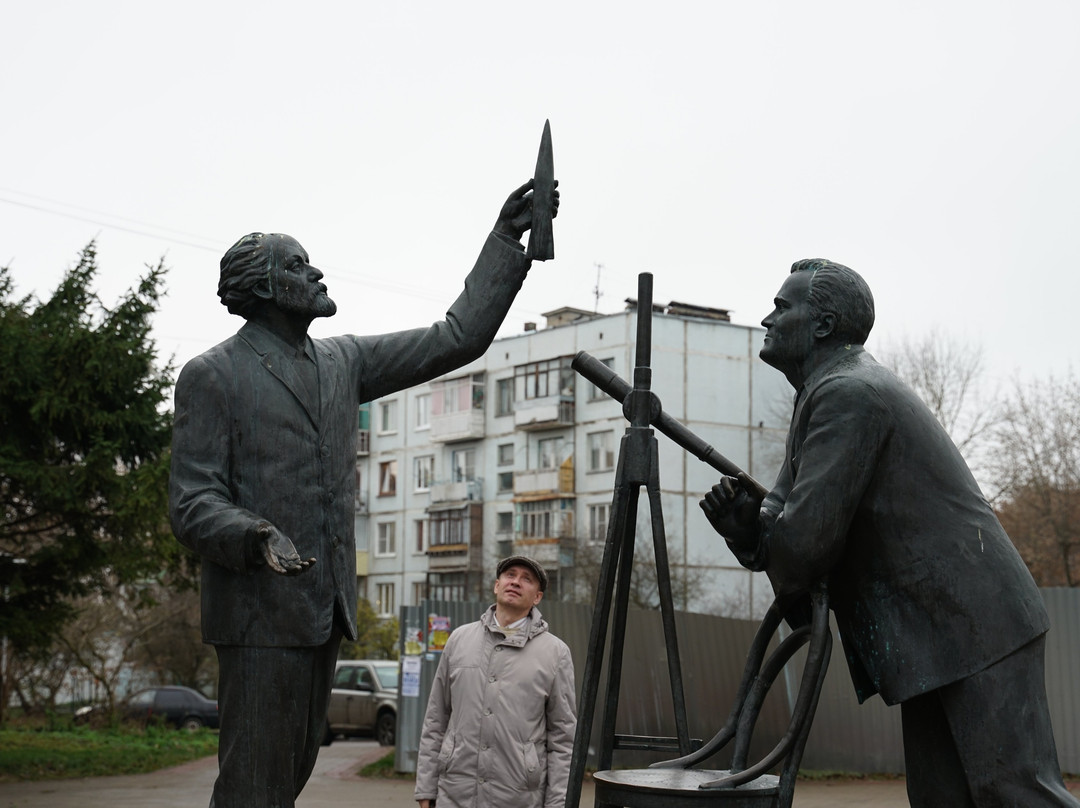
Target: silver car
<point x="364" y="700"/>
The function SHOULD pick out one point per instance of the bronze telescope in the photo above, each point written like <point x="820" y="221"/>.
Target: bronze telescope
<point x="615" y="386"/>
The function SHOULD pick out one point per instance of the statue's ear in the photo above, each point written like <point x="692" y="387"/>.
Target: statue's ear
<point x="262" y="289"/>
<point x="826" y="325"/>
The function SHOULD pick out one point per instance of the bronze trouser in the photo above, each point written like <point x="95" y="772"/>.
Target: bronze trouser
<point x="985" y="741"/>
<point x="273" y="715"/>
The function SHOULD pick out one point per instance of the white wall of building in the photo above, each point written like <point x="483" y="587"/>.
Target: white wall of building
<point x="706" y="374"/>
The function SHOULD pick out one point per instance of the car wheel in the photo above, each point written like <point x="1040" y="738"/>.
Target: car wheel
<point x="385" y="727"/>
<point x="191" y="723"/>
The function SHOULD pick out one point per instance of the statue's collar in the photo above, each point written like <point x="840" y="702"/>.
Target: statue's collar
<point x="264" y="341"/>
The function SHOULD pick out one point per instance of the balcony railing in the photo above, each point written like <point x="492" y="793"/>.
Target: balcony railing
<point x="545" y="481"/>
<point x="463" y="491"/>
<point x="550" y="412"/>
<point x="455" y="426"/>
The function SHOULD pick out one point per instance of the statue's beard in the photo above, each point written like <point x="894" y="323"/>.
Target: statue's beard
<point x="311" y="302"/>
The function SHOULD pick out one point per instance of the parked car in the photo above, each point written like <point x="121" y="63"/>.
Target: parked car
<point x="363" y="700"/>
<point x="181" y="707"/>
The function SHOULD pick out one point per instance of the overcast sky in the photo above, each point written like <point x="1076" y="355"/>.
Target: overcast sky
<point x="931" y="146"/>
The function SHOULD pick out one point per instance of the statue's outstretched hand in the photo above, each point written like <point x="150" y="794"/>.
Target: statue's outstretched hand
<point x="280" y="553"/>
<point x="732" y="507"/>
<point x="516" y="215"/>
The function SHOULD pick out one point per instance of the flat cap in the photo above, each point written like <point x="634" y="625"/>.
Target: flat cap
<point x="524" y="561"/>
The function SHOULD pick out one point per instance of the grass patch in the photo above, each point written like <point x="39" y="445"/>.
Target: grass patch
<point x="828" y="774"/>
<point x="84" y="752"/>
<point x="384" y="768"/>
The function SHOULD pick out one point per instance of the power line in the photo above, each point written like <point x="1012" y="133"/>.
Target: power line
<point x="331" y="273"/>
<point x="100" y="223"/>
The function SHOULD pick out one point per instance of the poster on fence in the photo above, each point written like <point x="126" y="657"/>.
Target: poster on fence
<point x="414" y="641"/>
<point x="438" y="632"/>
<point x="410" y="677"/>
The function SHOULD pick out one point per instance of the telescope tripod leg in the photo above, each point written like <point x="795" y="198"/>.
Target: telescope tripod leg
<point x="613" y="587"/>
<point x="667" y="614"/>
<point x="613" y="559"/>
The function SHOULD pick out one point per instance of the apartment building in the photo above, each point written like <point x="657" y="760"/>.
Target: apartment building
<point x="516" y="453"/>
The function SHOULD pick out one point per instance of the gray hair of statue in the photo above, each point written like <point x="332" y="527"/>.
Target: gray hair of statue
<point x="247" y="264"/>
<point x="841" y="291"/>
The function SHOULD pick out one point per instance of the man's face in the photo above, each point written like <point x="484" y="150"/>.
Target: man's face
<point x="789" y="330"/>
<point x="517" y="589"/>
<point x="296" y="284"/>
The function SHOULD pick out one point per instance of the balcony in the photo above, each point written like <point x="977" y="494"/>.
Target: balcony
<point x="546" y="551"/>
<point x="545" y="481"/>
<point x="462" y="491"/>
<point x="457" y="409"/>
<point x="456" y="536"/>
<point x="457" y="426"/>
<point x="550" y="412"/>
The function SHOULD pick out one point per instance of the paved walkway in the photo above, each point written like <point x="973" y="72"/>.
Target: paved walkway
<point x="334" y="784"/>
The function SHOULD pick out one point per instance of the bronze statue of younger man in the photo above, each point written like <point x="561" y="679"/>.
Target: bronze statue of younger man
<point x="936" y="609"/>
<point x="263" y="479"/>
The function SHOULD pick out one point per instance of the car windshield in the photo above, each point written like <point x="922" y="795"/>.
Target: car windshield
<point x="388" y="675"/>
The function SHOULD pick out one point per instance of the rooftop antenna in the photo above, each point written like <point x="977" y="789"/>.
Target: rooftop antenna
<point x="597" y="294"/>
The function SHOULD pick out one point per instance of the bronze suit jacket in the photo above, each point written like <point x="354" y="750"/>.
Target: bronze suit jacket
<point x="925" y="584"/>
<point x="249" y="445"/>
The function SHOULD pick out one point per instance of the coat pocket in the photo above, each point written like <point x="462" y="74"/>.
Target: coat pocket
<point x="446" y="752"/>
<point x="534" y="767"/>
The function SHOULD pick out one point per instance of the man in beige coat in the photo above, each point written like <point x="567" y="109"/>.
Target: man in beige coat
<point x="499" y="727"/>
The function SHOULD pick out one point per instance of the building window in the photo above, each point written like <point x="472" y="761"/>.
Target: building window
<point x="385" y="541"/>
<point x="553" y="377"/>
<point x="423" y="472"/>
<point x="388" y="478"/>
<point x="505" y="481"/>
<point x="550" y="451"/>
<point x="595" y="393"/>
<point x="418" y="531"/>
<point x="458" y="395"/>
<point x="384" y="600"/>
<point x="463" y="465"/>
<point x="423" y="411"/>
<point x="419" y="592"/>
<point x="447" y="586"/>
<point x="546" y="519"/>
<point x="504" y="522"/>
<point x="601" y="450"/>
<point x="448" y="527"/>
<point x="598" y="521"/>
<point x="363" y="435"/>
<point x="504" y="397"/>
<point x="387" y="417"/>
<point x="506" y="454"/>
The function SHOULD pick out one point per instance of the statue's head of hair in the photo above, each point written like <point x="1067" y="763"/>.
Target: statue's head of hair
<point x="841" y="291"/>
<point x="246" y="269"/>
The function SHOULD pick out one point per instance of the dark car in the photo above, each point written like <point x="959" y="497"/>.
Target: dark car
<point x="364" y="700"/>
<point x="181" y="707"/>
